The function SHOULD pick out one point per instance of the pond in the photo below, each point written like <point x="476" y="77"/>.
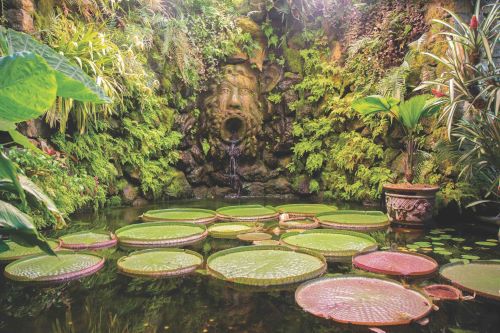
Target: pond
<point x="110" y="302"/>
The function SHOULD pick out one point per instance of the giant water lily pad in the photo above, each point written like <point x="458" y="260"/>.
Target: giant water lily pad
<point x="335" y="245"/>
<point x="254" y="236"/>
<point x="88" y="240"/>
<point x="305" y="210"/>
<point x="354" y="220"/>
<point x="45" y="268"/>
<point x="298" y="223"/>
<point x="158" y="263"/>
<point x="161" y="234"/>
<point x="362" y="301"/>
<point x="194" y="215"/>
<point x="10" y="250"/>
<point x="481" y="277"/>
<point x="231" y="229"/>
<point x="396" y="263"/>
<point x="247" y="213"/>
<point x="265" y="265"/>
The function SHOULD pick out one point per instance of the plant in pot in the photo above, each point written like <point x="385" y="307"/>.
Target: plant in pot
<point x="407" y="203"/>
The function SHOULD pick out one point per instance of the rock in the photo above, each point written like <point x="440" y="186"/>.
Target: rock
<point x="35" y="128"/>
<point x="129" y="193"/>
<point x="134" y="174"/>
<point x="197" y="154"/>
<point x="220" y="192"/>
<point x="26" y="5"/>
<point x="201" y="192"/>
<point x="270" y="160"/>
<point x="140" y="202"/>
<point x="255" y="189"/>
<point x="186" y="162"/>
<point x="179" y="187"/>
<point x="255" y="172"/>
<point x="279" y="185"/>
<point x="20" y="20"/>
<point x="196" y="176"/>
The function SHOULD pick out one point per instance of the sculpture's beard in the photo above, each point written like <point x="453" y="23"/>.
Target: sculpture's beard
<point x="233" y="127"/>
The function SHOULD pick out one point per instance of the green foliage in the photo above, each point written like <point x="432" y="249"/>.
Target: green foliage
<point x="69" y="188"/>
<point x="470" y="94"/>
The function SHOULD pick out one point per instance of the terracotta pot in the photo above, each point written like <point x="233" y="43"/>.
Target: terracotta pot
<point x="410" y="204"/>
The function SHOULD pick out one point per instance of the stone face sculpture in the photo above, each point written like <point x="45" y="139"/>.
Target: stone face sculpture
<point x="233" y="112"/>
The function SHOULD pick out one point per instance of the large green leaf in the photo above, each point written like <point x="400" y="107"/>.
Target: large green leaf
<point x="8" y="173"/>
<point x="27" y="87"/>
<point x="20" y="227"/>
<point x="72" y="82"/>
<point x="412" y="110"/>
<point x="37" y="194"/>
<point x="374" y="104"/>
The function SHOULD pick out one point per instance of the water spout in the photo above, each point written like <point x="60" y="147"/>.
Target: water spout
<point x="234" y="152"/>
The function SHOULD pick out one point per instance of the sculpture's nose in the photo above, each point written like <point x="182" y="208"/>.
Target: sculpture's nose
<point x="235" y="102"/>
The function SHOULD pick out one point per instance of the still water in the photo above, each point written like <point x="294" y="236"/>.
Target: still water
<point x="110" y="302"/>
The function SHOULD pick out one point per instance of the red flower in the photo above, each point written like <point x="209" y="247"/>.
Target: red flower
<point x="51" y="151"/>
<point x="437" y="93"/>
<point x="474" y="23"/>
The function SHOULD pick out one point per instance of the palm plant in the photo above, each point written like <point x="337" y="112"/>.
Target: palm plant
<point x="407" y="113"/>
<point x="470" y="91"/>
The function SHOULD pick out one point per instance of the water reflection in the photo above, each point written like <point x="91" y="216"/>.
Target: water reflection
<point x="110" y="302"/>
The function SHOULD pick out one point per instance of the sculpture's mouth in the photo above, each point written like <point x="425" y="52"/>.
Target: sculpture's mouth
<point x="233" y="129"/>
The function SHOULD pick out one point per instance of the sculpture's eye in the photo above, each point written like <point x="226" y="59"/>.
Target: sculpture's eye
<point x="225" y="90"/>
<point x="245" y="92"/>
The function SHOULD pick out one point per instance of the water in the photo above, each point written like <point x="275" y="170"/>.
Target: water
<point x="234" y="152"/>
<point x="109" y="302"/>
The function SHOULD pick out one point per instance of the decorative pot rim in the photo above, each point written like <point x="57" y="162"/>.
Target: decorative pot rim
<point x="411" y="188"/>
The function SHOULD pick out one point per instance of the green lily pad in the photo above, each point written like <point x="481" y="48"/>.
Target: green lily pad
<point x="438" y="243"/>
<point x="439" y="249"/>
<point x="254" y="236"/>
<point x="231" y="229"/>
<point x="492" y="240"/>
<point x="333" y="244"/>
<point x="195" y="215"/>
<point x="470" y="257"/>
<point x="10" y="251"/>
<point x="305" y="210"/>
<point x="486" y="243"/>
<point x="459" y="260"/>
<point x="444" y="253"/>
<point x="481" y="277"/>
<point x="158" y="263"/>
<point x="161" y="234"/>
<point x="265" y="265"/>
<point x="436" y="232"/>
<point x="354" y="220"/>
<point x="45" y="268"/>
<point x="466" y="248"/>
<point x="247" y="213"/>
<point x="412" y="246"/>
<point x="423" y="244"/>
<point x="88" y="240"/>
<point x="458" y="239"/>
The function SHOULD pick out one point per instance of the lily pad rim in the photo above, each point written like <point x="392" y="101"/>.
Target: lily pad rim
<point x="231" y="234"/>
<point x="354" y="226"/>
<point x="283" y="209"/>
<point x="130" y="242"/>
<point x="461" y="286"/>
<point x="60" y="278"/>
<point x="209" y="219"/>
<point x="415" y="290"/>
<point x="165" y="273"/>
<point x="222" y="213"/>
<point x="113" y="240"/>
<point x="381" y="271"/>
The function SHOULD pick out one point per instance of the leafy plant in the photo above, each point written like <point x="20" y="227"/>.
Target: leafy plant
<point x="470" y="92"/>
<point x="407" y="113"/>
